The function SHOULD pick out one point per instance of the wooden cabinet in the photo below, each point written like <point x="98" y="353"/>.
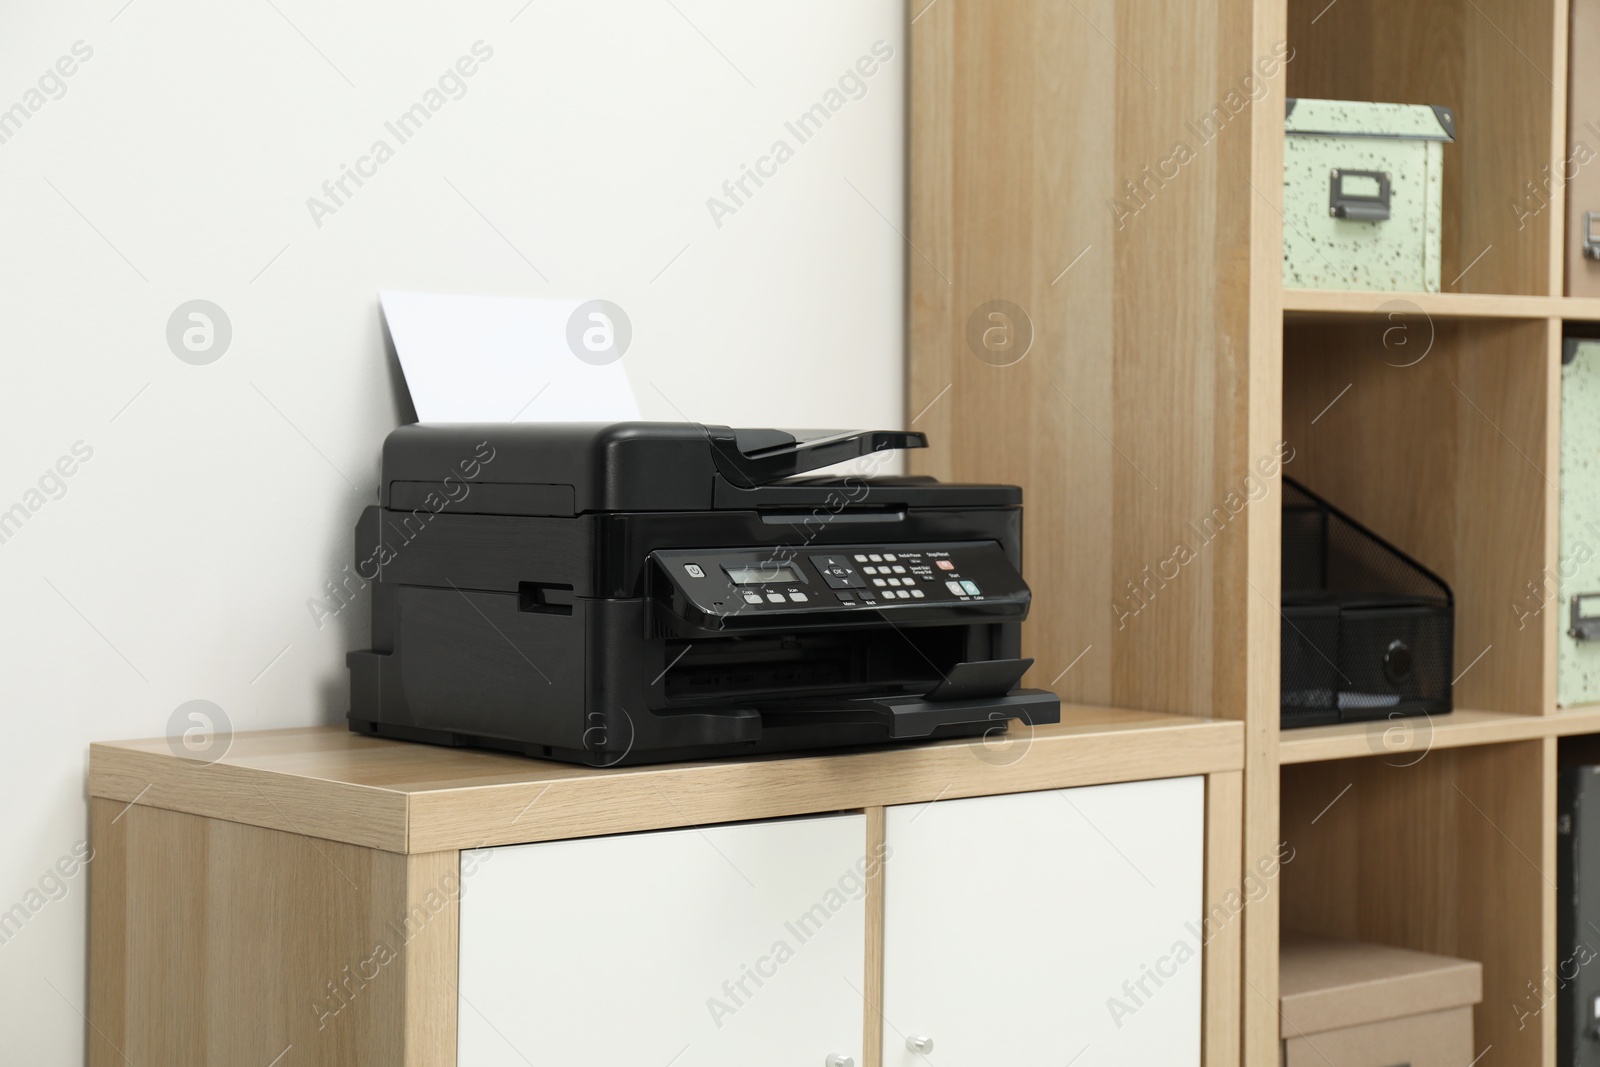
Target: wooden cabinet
<point x="320" y="899"/>
<point x="723" y="946"/>
<point x="1029" y="929"/>
<point x="1021" y="929"/>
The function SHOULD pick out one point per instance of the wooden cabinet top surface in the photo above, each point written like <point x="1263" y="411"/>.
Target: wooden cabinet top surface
<point x="330" y="783"/>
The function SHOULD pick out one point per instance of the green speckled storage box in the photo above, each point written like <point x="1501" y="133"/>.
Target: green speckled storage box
<point x="1577" y="577"/>
<point x="1362" y="194"/>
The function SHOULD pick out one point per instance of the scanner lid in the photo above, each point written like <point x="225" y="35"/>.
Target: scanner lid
<point x="570" y="468"/>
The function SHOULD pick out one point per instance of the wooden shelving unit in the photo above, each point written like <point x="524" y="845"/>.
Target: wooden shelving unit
<point x="1168" y="367"/>
<point x="1446" y="442"/>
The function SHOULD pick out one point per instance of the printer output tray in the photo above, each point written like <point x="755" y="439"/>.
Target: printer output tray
<point x="822" y="724"/>
<point x="910" y="718"/>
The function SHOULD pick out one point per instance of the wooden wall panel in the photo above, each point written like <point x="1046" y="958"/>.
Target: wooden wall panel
<point x="1032" y="126"/>
<point x="1012" y="160"/>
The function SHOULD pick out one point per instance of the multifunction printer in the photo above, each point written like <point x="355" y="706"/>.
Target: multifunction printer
<point x="640" y="592"/>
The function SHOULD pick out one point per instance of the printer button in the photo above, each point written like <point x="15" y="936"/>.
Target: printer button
<point x="971" y="588"/>
<point x="874" y="557"/>
<point x="798" y="598"/>
<point x="899" y="570"/>
<point x="776" y="598"/>
<point x="888" y="557"/>
<point x="955" y="587"/>
<point x="837" y="572"/>
<point x="751" y="598"/>
<point x="861" y="559"/>
<point x="944" y="565"/>
<point x="693" y="570"/>
<point x="919" y="594"/>
<point x="879" y="582"/>
<point x="869" y="570"/>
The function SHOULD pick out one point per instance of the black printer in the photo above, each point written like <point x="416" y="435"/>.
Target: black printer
<point x="638" y="592"/>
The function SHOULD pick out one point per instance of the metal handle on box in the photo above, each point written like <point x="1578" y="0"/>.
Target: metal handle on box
<point x="1585" y="619"/>
<point x="1344" y="202"/>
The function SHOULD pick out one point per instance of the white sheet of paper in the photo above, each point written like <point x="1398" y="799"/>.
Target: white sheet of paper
<point x="500" y="359"/>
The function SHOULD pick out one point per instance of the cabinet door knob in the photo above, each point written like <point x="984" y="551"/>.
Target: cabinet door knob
<point x="919" y="1043"/>
<point x="836" y="1060"/>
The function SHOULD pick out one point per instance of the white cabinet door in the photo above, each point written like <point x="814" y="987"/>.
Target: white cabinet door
<point x="1046" y="929"/>
<point x="726" y="946"/>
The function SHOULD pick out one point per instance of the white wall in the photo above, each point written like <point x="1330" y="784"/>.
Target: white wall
<point x="218" y="499"/>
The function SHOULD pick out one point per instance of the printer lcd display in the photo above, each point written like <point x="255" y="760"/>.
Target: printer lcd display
<point x="762" y="574"/>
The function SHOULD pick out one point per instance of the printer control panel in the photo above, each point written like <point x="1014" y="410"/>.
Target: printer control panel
<point x="756" y="583"/>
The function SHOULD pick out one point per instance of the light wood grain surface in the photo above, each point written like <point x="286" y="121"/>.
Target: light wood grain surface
<point x="1332" y="305"/>
<point x="1311" y="305"/>
<point x="1224" y="973"/>
<point x="328" y="783"/>
<point x="1255" y="579"/>
<point x="1409" y="738"/>
<point x="872" y="977"/>
<point x="1127" y="419"/>
<point x="217" y="942"/>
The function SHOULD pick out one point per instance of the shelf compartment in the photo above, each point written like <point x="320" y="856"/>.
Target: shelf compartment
<point x="1435" y="435"/>
<point x="1451" y="854"/>
<point x="1495" y="64"/>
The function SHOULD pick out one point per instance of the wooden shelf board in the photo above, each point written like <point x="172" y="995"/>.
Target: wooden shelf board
<point x="1579" y="720"/>
<point x="1313" y="304"/>
<point x="1316" y="305"/>
<point x="1580" y="309"/>
<point x="402" y="797"/>
<point x="1410" y="739"/>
